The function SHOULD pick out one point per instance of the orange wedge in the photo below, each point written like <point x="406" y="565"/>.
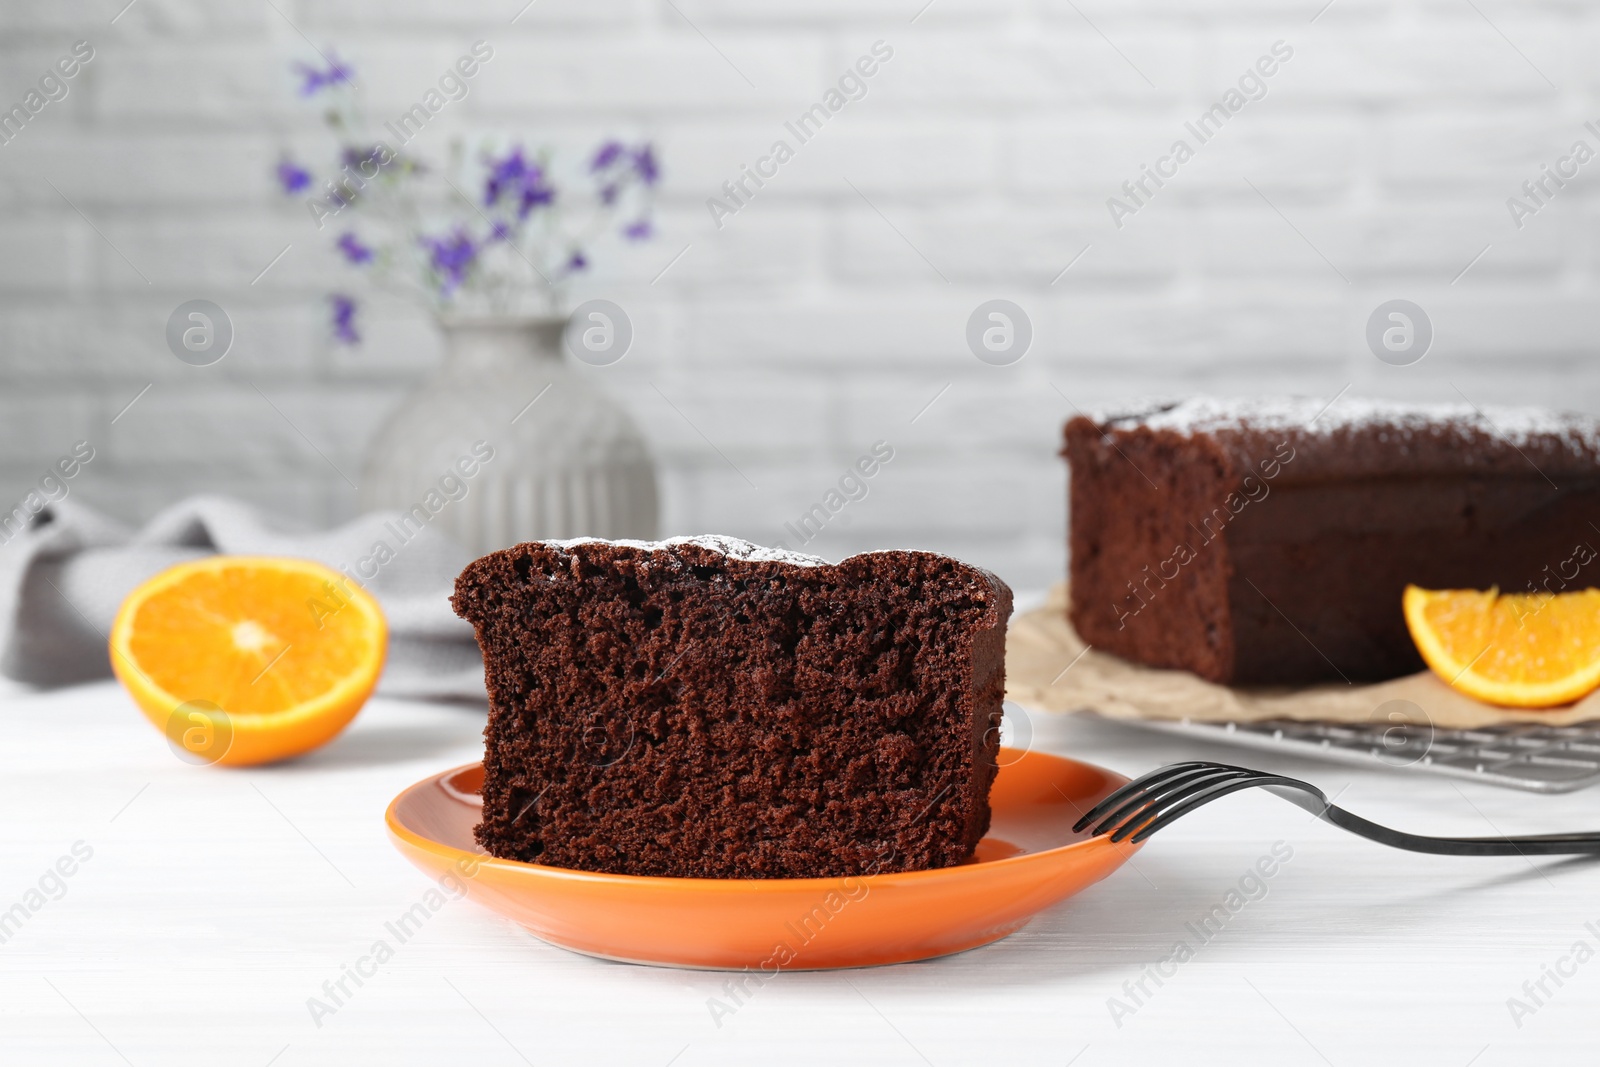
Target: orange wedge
<point x="1524" y="650"/>
<point x="245" y="659"/>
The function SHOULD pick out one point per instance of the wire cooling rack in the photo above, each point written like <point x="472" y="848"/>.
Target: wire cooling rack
<point x="1540" y="759"/>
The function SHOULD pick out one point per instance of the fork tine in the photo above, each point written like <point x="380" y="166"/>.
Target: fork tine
<point x="1157" y="796"/>
<point x="1216" y="791"/>
<point x="1117" y="796"/>
<point x="1155" y="805"/>
<point x="1130" y="789"/>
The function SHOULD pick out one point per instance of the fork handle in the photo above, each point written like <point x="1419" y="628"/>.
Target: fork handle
<point x="1535" y="845"/>
<point x="1153" y="801"/>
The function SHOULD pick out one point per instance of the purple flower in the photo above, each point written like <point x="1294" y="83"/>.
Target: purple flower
<point x="641" y="160"/>
<point x="354" y="251"/>
<point x="451" y="257"/>
<point x="577" y="261"/>
<point x="535" y="194"/>
<point x="501" y="230"/>
<point x="606" y="155"/>
<point x="502" y="173"/>
<point x="645" y="165"/>
<point x="638" y="230"/>
<point x="616" y="164"/>
<point x="344" y="319"/>
<point x="292" y="176"/>
<point x="516" y="176"/>
<point x="314" y="80"/>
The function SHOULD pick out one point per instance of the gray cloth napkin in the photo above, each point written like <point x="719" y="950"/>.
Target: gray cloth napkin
<point x="63" y="578"/>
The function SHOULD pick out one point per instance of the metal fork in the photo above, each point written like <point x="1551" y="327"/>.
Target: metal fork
<point x="1167" y="794"/>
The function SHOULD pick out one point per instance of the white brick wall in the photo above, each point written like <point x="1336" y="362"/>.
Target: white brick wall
<point x="808" y="328"/>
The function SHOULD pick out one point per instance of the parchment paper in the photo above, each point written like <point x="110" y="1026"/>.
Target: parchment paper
<point x="1048" y="669"/>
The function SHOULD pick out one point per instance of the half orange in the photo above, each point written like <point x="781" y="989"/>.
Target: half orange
<point x="1523" y="650"/>
<point x="248" y="659"/>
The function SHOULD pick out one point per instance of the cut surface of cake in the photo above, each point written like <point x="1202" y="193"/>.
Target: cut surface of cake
<point x="704" y="707"/>
<point x="1270" y="541"/>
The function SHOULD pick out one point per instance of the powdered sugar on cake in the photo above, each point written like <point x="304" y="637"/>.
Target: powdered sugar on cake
<point x="732" y="547"/>
<point x="1309" y="415"/>
<point x="738" y="548"/>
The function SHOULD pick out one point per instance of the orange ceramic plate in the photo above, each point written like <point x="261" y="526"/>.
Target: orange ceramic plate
<point x="1030" y="860"/>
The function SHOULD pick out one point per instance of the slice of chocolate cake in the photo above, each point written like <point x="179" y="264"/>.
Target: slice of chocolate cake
<point x="702" y="707"/>
<point x="1270" y="541"/>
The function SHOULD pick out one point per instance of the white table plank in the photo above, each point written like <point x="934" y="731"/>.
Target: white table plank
<point x="217" y="902"/>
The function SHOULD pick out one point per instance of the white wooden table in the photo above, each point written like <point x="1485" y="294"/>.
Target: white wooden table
<point x="216" y="903"/>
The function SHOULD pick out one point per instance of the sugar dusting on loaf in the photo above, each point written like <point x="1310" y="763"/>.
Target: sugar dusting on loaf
<point x="1311" y="415"/>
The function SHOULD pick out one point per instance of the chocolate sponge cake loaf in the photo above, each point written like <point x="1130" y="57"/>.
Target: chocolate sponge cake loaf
<point x="1270" y="541"/>
<point x="702" y="707"/>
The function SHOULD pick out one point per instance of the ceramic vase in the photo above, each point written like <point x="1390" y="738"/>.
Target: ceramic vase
<point x="507" y="443"/>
